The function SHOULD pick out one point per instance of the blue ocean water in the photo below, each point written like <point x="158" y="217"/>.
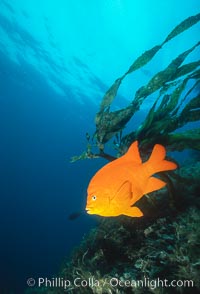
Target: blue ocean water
<point x="57" y="59"/>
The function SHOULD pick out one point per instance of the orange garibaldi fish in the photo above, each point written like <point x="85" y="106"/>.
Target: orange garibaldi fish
<point x="115" y="188"/>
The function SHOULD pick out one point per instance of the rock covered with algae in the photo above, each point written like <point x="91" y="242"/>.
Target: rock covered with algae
<point x="127" y="255"/>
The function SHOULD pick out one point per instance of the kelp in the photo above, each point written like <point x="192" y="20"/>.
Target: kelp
<point x="161" y="78"/>
<point x="191" y="111"/>
<point x="183" y="140"/>
<point x="146" y="57"/>
<point x="143" y="59"/>
<point x="111" y="123"/>
<point x="109" y="96"/>
<point x="160" y="123"/>
<point x="166" y="115"/>
<point x="184" y="25"/>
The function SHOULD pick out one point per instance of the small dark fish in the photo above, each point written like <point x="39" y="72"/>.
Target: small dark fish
<point x="74" y="215"/>
<point x="88" y="137"/>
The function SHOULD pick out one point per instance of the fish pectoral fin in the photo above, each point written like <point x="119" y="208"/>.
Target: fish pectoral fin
<point x="133" y="211"/>
<point x="154" y="184"/>
<point x="124" y="193"/>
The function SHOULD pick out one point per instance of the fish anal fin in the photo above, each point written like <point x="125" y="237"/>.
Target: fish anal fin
<point x="154" y="184"/>
<point x="133" y="211"/>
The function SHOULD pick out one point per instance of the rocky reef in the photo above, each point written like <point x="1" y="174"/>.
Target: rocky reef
<point x="158" y="253"/>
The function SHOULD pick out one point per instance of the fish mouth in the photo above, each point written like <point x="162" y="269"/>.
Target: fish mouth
<point x="88" y="210"/>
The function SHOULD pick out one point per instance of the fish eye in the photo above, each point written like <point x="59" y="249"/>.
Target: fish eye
<point x="94" y="197"/>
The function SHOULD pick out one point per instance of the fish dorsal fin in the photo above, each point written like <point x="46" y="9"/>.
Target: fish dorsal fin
<point x="132" y="155"/>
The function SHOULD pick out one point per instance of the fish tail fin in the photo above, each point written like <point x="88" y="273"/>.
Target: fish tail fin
<point x="157" y="162"/>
